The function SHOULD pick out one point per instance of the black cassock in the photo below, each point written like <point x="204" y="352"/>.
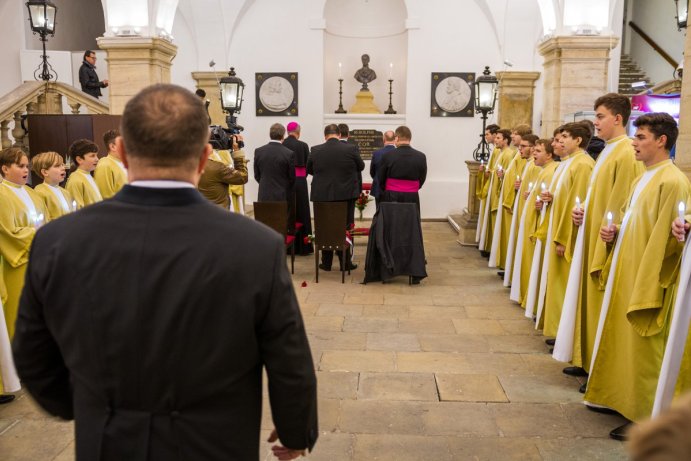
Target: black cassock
<point x="302" y="200"/>
<point x="402" y="165"/>
<point x="148" y="318"/>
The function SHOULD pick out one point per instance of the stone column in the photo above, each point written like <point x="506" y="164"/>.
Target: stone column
<point x="208" y="81"/>
<point x="516" y="93"/>
<point x="469" y="218"/>
<point x="683" y="152"/>
<point x="575" y="75"/>
<point x="135" y="63"/>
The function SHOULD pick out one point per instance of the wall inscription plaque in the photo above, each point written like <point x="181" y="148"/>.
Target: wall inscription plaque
<point x="367" y="140"/>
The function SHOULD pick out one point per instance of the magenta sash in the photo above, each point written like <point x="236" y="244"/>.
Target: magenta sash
<point x="402" y="185"/>
<point x="300" y="172"/>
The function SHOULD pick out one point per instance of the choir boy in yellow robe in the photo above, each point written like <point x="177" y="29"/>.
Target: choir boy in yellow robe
<point x="9" y="381"/>
<point x="21" y="213"/>
<point x="81" y="185"/>
<point x="507" y="197"/>
<point x="522" y="186"/>
<point x="502" y="141"/>
<point x="640" y="265"/>
<point x="485" y="179"/>
<point x="559" y="231"/>
<point x="529" y="219"/>
<point x="56" y="200"/>
<point x="615" y="170"/>
<point x="482" y="182"/>
<point x="110" y="174"/>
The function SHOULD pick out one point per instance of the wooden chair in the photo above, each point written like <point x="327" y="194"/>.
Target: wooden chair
<point x="330" y="222"/>
<point x="275" y="215"/>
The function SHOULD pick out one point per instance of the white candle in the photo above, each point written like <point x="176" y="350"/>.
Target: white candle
<point x="610" y="217"/>
<point x="578" y="202"/>
<point x="530" y="187"/>
<point x="74" y="205"/>
<point x="682" y="213"/>
<point x="500" y="168"/>
<point x="518" y="177"/>
<point x="340" y="70"/>
<point x="390" y="70"/>
<point x="544" y="187"/>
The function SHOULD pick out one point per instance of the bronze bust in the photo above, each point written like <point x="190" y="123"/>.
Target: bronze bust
<point x="365" y="75"/>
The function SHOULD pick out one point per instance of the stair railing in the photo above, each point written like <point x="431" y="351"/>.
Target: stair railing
<point x="39" y="98"/>
<point x="648" y="39"/>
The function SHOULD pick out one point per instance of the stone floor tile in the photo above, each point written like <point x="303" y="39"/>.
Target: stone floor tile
<point x="357" y="361"/>
<point x="448" y="300"/>
<point x="581" y="449"/>
<point x="428" y="325"/>
<point x="519" y="327"/>
<point x="325" y="297"/>
<point x="459" y="419"/>
<point x="495" y="363"/>
<point x="400" y="448"/>
<point x="370" y="324"/>
<point x="405" y="299"/>
<point x="68" y="454"/>
<point x="589" y="423"/>
<point x="329" y="414"/>
<point x="374" y="417"/>
<point x="364" y="298"/>
<point x="432" y="362"/>
<point x="555" y="388"/>
<point x="393" y="342"/>
<point x="337" y="340"/>
<point x="478" y="327"/>
<point x="339" y="310"/>
<point x="23" y="406"/>
<point x="516" y="344"/>
<point x="323" y="323"/>
<point x="490" y="311"/>
<point x="438" y="312"/>
<point x="384" y="311"/>
<point x="453" y="343"/>
<point x="35" y="439"/>
<point x="470" y="388"/>
<point x="332" y="447"/>
<point x="337" y="384"/>
<point x="308" y="309"/>
<point x="494" y="449"/>
<point x="532" y="420"/>
<point x="397" y="386"/>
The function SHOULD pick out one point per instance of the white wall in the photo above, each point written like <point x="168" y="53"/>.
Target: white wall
<point x="12" y="27"/>
<point x="657" y="19"/>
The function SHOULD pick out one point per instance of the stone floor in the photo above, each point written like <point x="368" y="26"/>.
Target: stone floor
<point x="448" y="370"/>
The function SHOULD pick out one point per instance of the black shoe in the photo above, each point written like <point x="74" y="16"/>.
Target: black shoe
<point x="500" y="274"/>
<point x="324" y="267"/>
<point x="603" y="410"/>
<point x="583" y="387"/>
<point x="351" y="267"/>
<point x="621" y="433"/>
<point x="551" y="350"/>
<point x="6" y="398"/>
<point x="484" y="254"/>
<point x="550" y="341"/>
<point x="574" y="371"/>
<point x="415" y="280"/>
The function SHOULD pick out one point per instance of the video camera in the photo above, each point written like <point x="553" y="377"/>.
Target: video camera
<point x="224" y="138"/>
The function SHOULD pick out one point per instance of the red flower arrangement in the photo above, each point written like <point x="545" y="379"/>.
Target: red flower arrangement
<point x="362" y="201"/>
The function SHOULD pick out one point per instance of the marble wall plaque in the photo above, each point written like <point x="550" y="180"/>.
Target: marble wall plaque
<point x="367" y="140"/>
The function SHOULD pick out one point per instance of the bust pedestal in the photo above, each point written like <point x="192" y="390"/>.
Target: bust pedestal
<point x="469" y="220"/>
<point x="364" y="103"/>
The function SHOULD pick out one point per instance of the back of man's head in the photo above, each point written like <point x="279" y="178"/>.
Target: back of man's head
<point x="343" y="130"/>
<point x="276" y="132"/>
<point x="164" y="126"/>
<point x="389" y="136"/>
<point x="403" y="133"/>
<point x="330" y="130"/>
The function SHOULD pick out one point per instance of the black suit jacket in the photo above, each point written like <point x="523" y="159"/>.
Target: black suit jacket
<point x="335" y="167"/>
<point x="299" y="148"/>
<point x="274" y="170"/>
<point x="89" y="80"/>
<point x="148" y="318"/>
<point x="374" y="166"/>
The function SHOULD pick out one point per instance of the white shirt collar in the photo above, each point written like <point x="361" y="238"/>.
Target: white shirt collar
<point x="163" y="184"/>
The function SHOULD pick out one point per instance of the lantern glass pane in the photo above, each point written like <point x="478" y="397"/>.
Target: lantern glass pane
<point x="486" y="95"/>
<point x="229" y="95"/>
<point x="682" y="11"/>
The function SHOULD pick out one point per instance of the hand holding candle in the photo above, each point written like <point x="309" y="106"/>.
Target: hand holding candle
<point x="545" y="196"/>
<point x="679" y="226"/>
<point x="527" y="193"/>
<point x="608" y="232"/>
<point x="517" y="184"/>
<point x="577" y="213"/>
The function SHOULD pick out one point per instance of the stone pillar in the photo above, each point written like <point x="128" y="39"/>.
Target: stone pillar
<point x="135" y="63"/>
<point x="516" y="93"/>
<point x="469" y="218"/>
<point x="683" y="152"/>
<point x="575" y="75"/>
<point x="208" y="81"/>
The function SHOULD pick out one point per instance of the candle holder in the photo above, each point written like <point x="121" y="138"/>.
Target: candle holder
<point x="340" y="109"/>
<point x="390" y="109"/>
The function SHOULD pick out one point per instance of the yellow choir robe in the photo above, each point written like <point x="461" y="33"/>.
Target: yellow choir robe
<point x="3" y="299"/>
<point x="110" y="176"/>
<point x="530" y="174"/>
<point x="83" y="188"/>
<point x="236" y="191"/>
<point x="507" y="198"/>
<point x="53" y="205"/>
<point x="615" y="170"/>
<point x="641" y="275"/>
<point x="482" y="190"/>
<point x="504" y="159"/>
<point x="573" y="184"/>
<point x="17" y="230"/>
<point x="531" y="220"/>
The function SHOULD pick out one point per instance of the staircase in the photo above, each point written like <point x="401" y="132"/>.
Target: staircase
<point x="629" y="72"/>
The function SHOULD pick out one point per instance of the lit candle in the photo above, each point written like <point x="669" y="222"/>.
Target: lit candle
<point x="390" y="70"/>
<point x="610" y="217"/>
<point x="682" y="213"/>
<point x="530" y="187"/>
<point x="518" y="177"/>
<point x="544" y="187"/>
<point x="578" y="202"/>
<point x="340" y="70"/>
<point x="500" y="168"/>
<point x="74" y="205"/>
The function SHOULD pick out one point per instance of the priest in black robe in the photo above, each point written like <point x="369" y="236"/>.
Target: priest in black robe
<point x="303" y="216"/>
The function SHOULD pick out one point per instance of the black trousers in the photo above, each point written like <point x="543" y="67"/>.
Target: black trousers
<point x="328" y="256"/>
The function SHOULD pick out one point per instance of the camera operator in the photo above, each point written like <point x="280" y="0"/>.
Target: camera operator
<point x="226" y="166"/>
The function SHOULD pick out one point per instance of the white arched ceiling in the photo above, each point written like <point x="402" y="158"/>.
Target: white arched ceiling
<point x="137" y="17"/>
<point x="364" y="19"/>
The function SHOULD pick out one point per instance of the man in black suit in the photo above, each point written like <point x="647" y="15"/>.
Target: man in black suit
<point x="274" y="170"/>
<point x="148" y="318"/>
<point x="88" y="78"/>
<point x="344" y="136"/>
<point x="389" y="139"/>
<point x="335" y="167"/>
